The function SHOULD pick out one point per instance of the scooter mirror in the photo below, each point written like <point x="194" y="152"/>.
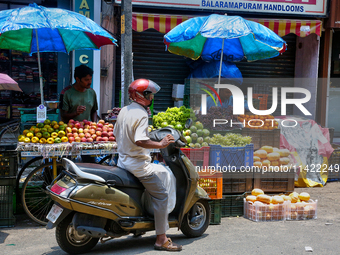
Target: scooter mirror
<point x="188" y="123"/>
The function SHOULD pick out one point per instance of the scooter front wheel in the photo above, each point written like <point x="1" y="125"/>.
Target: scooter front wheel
<point x="70" y="240"/>
<point x="197" y="220"/>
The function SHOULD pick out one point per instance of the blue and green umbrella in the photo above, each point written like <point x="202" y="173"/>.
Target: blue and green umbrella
<point x="35" y="29"/>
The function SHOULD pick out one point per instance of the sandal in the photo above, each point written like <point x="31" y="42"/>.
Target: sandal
<point x="168" y="246"/>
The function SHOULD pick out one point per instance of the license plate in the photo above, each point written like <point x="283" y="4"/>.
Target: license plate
<point x="54" y="213"/>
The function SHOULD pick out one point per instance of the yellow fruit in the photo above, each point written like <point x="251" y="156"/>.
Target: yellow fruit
<point x="277" y="200"/>
<point x="295" y="197"/>
<point x="251" y="198"/>
<point x="20" y="137"/>
<point x="273" y="156"/>
<point x="64" y="139"/>
<point x="42" y="140"/>
<point x="261" y="154"/>
<point x="29" y="135"/>
<point x="61" y="123"/>
<point x="268" y="149"/>
<point x="56" y="126"/>
<point x="36" y="130"/>
<point x="33" y="128"/>
<point x="35" y="139"/>
<point x="256" y="192"/>
<point x="61" y="133"/>
<point x="50" y="140"/>
<point x="27" y="140"/>
<point x="39" y="135"/>
<point x="304" y="196"/>
<point x="25" y="132"/>
<point x="264" y="198"/>
<point x="54" y="135"/>
<point x="53" y="123"/>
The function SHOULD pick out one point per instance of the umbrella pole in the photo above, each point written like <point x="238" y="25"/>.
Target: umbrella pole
<point x="219" y="75"/>
<point x="39" y="66"/>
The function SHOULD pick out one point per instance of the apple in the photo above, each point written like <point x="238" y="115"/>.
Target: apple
<point x="75" y="135"/>
<point x="98" y="133"/>
<point x="89" y="140"/>
<point x="77" y="139"/>
<point x="98" y="139"/>
<point x="94" y="137"/>
<point x="71" y="121"/>
<point x="82" y="123"/>
<point x="93" y="124"/>
<point x="101" y="121"/>
<point x="87" y="126"/>
<point x="80" y="130"/>
<point x="98" y="129"/>
<point x="111" y="138"/>
<point x="92" y="131"/>
<point x="105" y="128"/>
<point x="81" y="135"/>
<point x="69" y="130"/>
<point x="71" y="139"/>
<point x="86" y="130"/>
<point x="84" y="140"/>
<point x="70" y="125"/>
<point x="87" y="135"/>
<point x="110" y="125"/>
<point x="105" y="139"/>
<point x="100" y="125"/>
<point x="110" y="134"/>
<point x="77" y="125"/>
<point x="69" y="135"/>
<point x="110" y="129"/>
<point x="75" y="130"/>
<point x="105" y="134"/>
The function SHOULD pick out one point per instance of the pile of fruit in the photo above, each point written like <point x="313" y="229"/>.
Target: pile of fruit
<point x="266" y="122"/>
<point x="174" y="117"/>
<point x="230" y="140"/>
<point x="47" y="132"/>
<point x="87" y="131"/>
<point x="261" y="207"/>
<point x="270" y="156"/>
<point x="197" y="136"/>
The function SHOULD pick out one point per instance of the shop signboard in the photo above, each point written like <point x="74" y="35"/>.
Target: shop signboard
<point x="281" y="7"/>
<point x="86" y="8"/>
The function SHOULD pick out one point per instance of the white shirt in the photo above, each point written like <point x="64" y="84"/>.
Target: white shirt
<point x="132" y="126"/>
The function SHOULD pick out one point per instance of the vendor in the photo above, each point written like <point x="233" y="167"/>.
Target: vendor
<point x="79" y="102"/>
<point x="226" y="98"/>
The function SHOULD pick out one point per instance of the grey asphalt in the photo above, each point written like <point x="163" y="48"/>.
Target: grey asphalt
<point x="235" y="235"/>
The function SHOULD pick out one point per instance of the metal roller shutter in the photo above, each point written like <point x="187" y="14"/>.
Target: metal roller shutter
<point x="151" y="61"/>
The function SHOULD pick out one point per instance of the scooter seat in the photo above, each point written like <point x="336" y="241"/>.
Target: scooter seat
<point x="122" y="177"/>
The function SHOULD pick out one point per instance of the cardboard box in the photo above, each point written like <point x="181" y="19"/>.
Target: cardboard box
<point x="177" y="92"/>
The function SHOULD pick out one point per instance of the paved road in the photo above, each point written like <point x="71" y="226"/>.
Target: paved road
<point x="233" y="236"/>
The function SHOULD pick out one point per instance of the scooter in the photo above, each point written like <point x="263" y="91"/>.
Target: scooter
<point x="95" y="202"/>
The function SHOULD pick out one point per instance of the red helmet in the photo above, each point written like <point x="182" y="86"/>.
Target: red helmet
<point x="141" y="89"/>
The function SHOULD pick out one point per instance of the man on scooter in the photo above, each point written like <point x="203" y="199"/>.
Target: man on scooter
<point x="133" y="142"/>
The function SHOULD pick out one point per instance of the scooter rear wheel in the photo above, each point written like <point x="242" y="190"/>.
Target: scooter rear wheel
<point x="70" y="240"/>
<point x="201" y="210"/>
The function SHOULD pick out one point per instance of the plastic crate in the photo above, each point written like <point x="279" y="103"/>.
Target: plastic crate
<point x="212" y="184"/>
<point x="238" y="182"/>
<point x="215" y="207"/>
<point x="33" y="117"/>
<point x="276" y="181"/>
<point x="263" y="137"/>
<point x="334" y="164"/>
<point x="302" y="211"/>
<point x="199" y="157"/>
<point x="237" y="157"/>
<point x="258" y="211"/>
<point x="7" y="218"/>
<point x="263" y="100"/>
<point x="232" y="205"/>
<point x="8" y="163"/>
